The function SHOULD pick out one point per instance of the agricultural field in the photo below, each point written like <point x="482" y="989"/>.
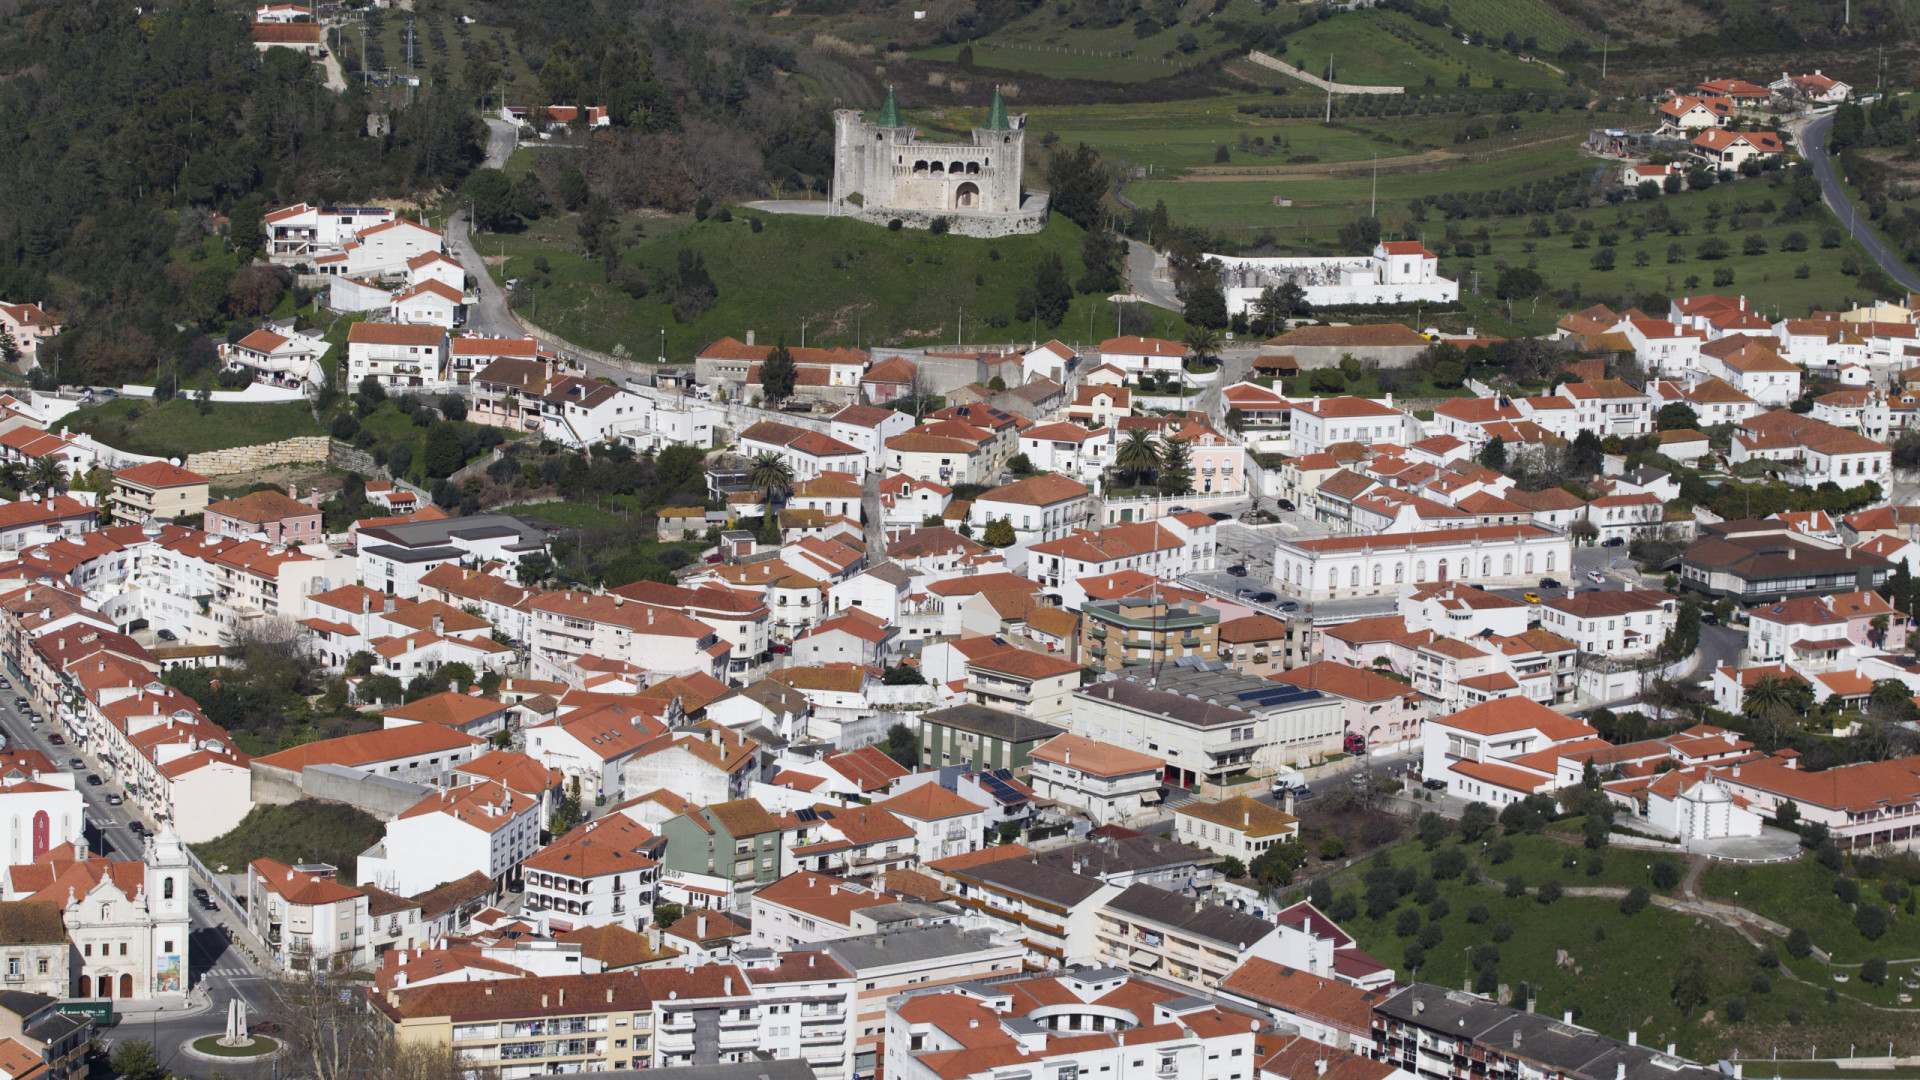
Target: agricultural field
<point x="1523" y="18"/>
<point x="1385" y="48"/>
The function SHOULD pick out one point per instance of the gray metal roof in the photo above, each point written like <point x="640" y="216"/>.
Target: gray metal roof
<point x="887" y="948"/>
<point x="413" y="555"/>
<point x="1022" y="877"/>
<point x="1554" y="1044"/>
<point x="1132" y="855"/>
<point x="417" y="534"/>
<point x="994" y="722"/>
<point x="769" y="1069"/>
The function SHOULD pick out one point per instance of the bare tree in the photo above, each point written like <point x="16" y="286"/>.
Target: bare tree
<point x="334" y="1031"/>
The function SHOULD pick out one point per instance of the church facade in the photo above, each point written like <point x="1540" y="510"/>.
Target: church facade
<point x="883" y="171"/>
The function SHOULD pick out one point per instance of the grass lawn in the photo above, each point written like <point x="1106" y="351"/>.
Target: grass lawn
<point x="1800" y="893"/>
<point x="305" y="831"/>
<point x="177" y="427"/>
<point x="570" y="515"/>
<point x="1616" y="973"/>
<point x="210" y="1044"/>
<point x="1098" y="60"/>
<point x="1537" y="858"/>
<point x="1761" y="1068"/>
<point x="851" y="282"/>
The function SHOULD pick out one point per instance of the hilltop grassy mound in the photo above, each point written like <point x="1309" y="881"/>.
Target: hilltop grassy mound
<point x="306" y="831"/>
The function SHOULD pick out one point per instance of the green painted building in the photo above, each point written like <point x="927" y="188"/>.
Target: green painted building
<point x="986" y="738"/>
<point x="738" y="841"/>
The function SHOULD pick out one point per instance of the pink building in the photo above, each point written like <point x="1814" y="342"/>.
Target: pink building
<point x="265" y="515"/>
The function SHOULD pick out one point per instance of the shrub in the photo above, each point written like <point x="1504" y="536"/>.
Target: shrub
<point x="895" y="225"/>
<point x="1408" y="923"/>
<point x="1665" y="875"/>
<point x="1448" y="862"/>
<point x="1736" y="1009"/>
<point x="1635" y="901"/>
<point x="1794" y="241"/>
<point x="1761" y="984"/>
<point x="1432" y="934"/>
<point x="1767" y="958"/>
<point x="1478" y="914"/>
<point x="1413" y="956"/>
<point x="938" y="226"/>
<point x="1439" y="909"/>
<point x="1799" y="943"/>
<point x="1722" y="277"/>
<point x="1332" y="847"/>
<point x="1847" y="889"/>
<point x="1516" y="886"/>
<point x="1872" y="921"/>
<point x="1548" y="892"/>
<point x="1502" y="931"/>
<point x="1343" y="908"/>
<point x="1501" y="851"/>
<point x="1874" y="971"/>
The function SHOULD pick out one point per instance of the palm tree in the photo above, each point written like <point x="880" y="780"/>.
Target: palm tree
<point x="770" y="475"/>
<point x="1203" y="342"/>
<point x="49" y="473"/>
<point x="1137" y="454"/>
<point x="1768" y="692"/>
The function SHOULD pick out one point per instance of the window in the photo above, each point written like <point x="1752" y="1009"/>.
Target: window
<point x="43" y="965"/>
<point x="166" y="888"/>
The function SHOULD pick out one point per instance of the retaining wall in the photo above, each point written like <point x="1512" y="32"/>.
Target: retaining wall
<point x="1290" y="71"/>
<point x="304" y="449"/>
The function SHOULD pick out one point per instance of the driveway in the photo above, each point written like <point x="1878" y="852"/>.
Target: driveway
<point x="1812" y="140"/>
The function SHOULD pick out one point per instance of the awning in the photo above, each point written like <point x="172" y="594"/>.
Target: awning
<point x="1148" y="798"/>
<point x="1144" y="960"/>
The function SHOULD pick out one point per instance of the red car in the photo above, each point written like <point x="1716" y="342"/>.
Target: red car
<point x="57" y="739"/>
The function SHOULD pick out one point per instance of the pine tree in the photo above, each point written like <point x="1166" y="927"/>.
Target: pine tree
<point x="777" y="374"/>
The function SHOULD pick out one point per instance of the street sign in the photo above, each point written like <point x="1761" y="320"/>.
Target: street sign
<point x="100" y="1011"/>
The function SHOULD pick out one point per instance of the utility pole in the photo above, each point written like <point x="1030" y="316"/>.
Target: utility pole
<point x="1373" y="205"/>
<point x="409" y="61"/>
<point x="1605" y="40"/>
<point x="1329" y="88"/>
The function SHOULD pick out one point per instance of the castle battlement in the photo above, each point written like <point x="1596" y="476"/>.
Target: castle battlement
<point x="882" y="170"/>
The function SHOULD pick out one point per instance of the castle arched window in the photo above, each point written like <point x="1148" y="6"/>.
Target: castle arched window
<point x="967" y="196"/>
<point x="957" y="167"/>
<point x="973" y="168"/>
<point x="919" y="168"/>
<point x="1005" y="139"/>
<point x="938" y="168"/>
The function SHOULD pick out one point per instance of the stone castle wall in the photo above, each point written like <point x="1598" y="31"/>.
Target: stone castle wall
<point x="1030" y="218"/>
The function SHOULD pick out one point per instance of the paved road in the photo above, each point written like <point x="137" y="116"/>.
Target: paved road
<point x="1812" y="139"/>
<point x="1142" y="283"/>
<point x="217" y="971"/>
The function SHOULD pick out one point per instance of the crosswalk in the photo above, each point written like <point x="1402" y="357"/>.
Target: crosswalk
<point x="235" y="971"/>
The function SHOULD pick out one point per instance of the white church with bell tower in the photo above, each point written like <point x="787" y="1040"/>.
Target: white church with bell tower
<point x="883" y="171"/>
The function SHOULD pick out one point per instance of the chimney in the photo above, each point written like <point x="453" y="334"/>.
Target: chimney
<point x="609" y="995"/>
<point x="563" y="997"/>
<point x="400" y="981"/>
<point x="810" y="959"/>
<point x="543" y="1001"/>
<point x="700" y="930"/>
<point x="387" y="605"/>
<point x="1288" y="808"/>
<point x="749" y="337"/>
<point x="726" y="985"/>
<point x="1567" y="1017"/>
<point x="1633" y="1038"/>
<point x="366" y="603"/>
<point x="1670" y="1050"/>
<point x="439" y="625"/>
<point x="1791" y="552"/>
<point x="1620" y="1071"/>
<point x="1320" y="1067"/>
<point x="1419" y="1006"/>
<point x="1516" y="1040"/>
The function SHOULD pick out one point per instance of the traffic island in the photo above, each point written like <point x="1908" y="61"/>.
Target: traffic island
<point x="216" y="1048"/>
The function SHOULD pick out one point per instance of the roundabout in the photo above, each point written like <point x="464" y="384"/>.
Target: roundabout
<point x="215" y="1047"/>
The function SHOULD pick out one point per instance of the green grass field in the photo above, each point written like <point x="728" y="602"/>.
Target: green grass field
<point x="177" y="427"/>
<point x="305" y="831"/>
<point x="1099" y="61"/>
<point x="1617" y="973"/>
<point x="1525" y="18"/>
<point x="1383" y="48"/>
<point x="1801" y="894"/>
<point x="852" y="283"/>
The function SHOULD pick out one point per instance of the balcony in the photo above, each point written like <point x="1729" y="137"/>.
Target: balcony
<point x="1190" y="642"/>
<point x="1099" y="651"/>
<point x="1099" y="632"/>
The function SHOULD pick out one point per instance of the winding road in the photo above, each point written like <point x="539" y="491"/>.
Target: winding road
<point x="1812" y="139"/>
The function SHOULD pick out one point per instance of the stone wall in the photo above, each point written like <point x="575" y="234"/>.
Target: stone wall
<point x="274" y="786"/>
<point x="347" y="456"/>
<point x="1030" y="218"/>
<point x="304" y="449"/>
<point x="381" y="796"/>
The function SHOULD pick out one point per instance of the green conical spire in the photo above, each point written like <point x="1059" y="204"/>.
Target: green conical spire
<point x="890" y="112"/>
<point x="997" y="113"/>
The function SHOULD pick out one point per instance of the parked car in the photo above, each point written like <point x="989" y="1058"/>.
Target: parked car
<point x="1530" y="597"/>
<point x="207" y="902"/>
<point x="76" y="764"/>
<point x="4" y="684"/>
<point x="1243" y="593"/>
<point x="1549" y="583"/>
<point x="1596" y="577"/>
<point x="1434" y="783"/>
<point x="57" y="739"/>
<point x="1289" y="605"/>
<point x="1284" y="504"/>
<point x="35" y="719"/>
<point x="1614" y="541"/>
<point x="1238" y="571"/>
<point x="1264" y="598"/>
<point x="1218" y="516"/>
<point x="166" y="635"/>
<point x="93" y="780"/>
<point x="1710" y="618"/>
<point x="136" y="827"/>
<point x="20" y="703"/>
<point x="115" y="799"/>
<point x="199" y="894"/>
<point x="1180" y="510"/>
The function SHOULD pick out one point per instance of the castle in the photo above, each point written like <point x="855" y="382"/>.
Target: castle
<point x="882" y="171"/>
